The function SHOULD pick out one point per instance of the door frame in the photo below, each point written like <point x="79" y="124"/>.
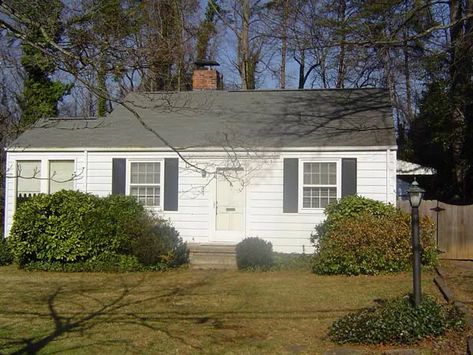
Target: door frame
<point x="225" y="236"/>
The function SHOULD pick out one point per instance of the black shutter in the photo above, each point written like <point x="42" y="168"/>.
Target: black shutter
<point x="118" y="176"/>
<point x="290" y="185"/>
<point x="349" y="180"/>
<point x="171" y="184"/>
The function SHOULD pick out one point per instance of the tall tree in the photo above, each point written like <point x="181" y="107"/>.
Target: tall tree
<point x="207" y="30"/>
<point x="41" y="93"/>
<point x="441" y="135"/>
<point x="167" y="43"/>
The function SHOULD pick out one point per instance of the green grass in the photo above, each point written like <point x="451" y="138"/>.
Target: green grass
<point x="182" y="311"/>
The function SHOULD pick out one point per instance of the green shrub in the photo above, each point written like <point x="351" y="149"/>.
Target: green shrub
<point x="354" y="205"/>
<point x="254" y="253"/>
<point x="88" y="233"/>
<point x="160" y="245"/>
<point x="370" y="245"/>
<point x="71" y="226"/>
<point x="369" y="241"/>
<point x="6" y="256"/>
<point x="396" y="321"/>
<point x="350" y="206"/>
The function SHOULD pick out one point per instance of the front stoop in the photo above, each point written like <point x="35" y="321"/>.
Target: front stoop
<point x="212" y="256"/>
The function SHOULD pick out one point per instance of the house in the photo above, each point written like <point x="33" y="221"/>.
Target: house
<point x="221" y="165"/>
<point x="407" y="172"/>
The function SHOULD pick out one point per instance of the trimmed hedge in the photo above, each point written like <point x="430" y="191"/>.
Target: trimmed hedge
<point x="254" y="253"/>
<point x="71" y="227"/>
<point x="397" y="321"/>
<point x="362" y="236"/>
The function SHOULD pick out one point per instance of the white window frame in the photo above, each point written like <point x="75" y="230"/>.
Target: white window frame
<point x="18" y="173"/>
<point x="161" y="182"/>
<point x="338" y="186"/>
<point x="44" y="174"/>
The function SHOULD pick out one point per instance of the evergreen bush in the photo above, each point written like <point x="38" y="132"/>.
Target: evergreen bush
<point x="160" y="244"/>
<point x="6" y="256"/>
<point x="397" y="321"/>
<point x="362" y="236"/>
<point x="83" y="232"/>
<point x="254" y="253"/>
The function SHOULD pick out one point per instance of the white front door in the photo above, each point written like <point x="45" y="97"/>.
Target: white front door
<point x="229" y="206"/>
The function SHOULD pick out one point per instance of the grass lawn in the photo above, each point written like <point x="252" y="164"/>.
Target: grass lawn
<point x="184" y="311"/>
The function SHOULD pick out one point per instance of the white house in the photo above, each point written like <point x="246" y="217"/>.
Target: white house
<point x="221" y="165"/>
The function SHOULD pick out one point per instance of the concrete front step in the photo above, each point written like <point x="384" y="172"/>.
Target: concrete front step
<point x="212" y="256"/>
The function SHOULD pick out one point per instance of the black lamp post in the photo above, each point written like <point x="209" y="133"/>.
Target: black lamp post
<point x="415" y="198"/>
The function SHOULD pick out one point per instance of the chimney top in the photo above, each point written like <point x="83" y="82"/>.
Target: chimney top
<point x="202" y="63"/>
<point x="205" y="77"/>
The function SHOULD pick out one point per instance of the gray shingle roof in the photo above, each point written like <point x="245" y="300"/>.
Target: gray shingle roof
<point x="247" y="119"/>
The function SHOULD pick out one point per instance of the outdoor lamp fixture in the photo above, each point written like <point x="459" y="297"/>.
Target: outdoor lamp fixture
<point x="415" y="193"/>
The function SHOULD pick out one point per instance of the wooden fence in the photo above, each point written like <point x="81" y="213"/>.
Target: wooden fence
<point x="454" y="227"/>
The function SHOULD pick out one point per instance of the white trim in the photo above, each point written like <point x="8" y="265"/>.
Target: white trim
<point x="161" y="180"/>
<point x="44" y="176"/>
<point x="203" y="149"/>
<point x="388" y="167"/>
<point x="86" y="170"/>
<point x="300" y="188"/>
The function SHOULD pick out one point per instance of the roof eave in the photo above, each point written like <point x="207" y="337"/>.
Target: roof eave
<point x="199" y="149"/>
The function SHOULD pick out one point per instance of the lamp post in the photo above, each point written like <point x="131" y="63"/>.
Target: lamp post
<point x="415" y="198"/>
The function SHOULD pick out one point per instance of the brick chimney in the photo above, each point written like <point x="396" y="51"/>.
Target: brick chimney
<point x="205" y="77"/>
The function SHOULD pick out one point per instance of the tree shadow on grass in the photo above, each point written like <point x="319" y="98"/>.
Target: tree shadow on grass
<point x="93" y="312"/>
<point x="80" y="322"/>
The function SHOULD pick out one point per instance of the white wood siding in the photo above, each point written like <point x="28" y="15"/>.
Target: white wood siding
<point x="264" y="217"/>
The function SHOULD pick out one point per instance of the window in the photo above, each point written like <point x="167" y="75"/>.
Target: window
<point x="28" y="179"/>
<point x="145" y="182"/>
<point x="319" y="184"/>
<point x="61" y="175"/>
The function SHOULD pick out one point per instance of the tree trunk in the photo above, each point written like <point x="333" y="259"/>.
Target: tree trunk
<point x="460" y="72"/>
<point x="301" y="63"/>
<point x="407" y="75"/>
<point x="282" y="74"/>
<point x="341" y="57"/>
<point x="102" y="86"/>
<point x="245" y="46"/>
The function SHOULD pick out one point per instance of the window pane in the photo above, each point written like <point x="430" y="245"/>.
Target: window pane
<point x="28" y="182"/>
<point x="318" y="197"/>
<point x="61" y="175"/>
<point x="320" y="174"/>
<point x="307" y="178"/>
<point x="324" y="168"/>
<point x="332" y="170"/>
<point x="324" y="179"/>
<point x="306" y="173"/>
<point x="145" y="173"/>
<point x="134" y="177"/>
<point x="147" y="195"/>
